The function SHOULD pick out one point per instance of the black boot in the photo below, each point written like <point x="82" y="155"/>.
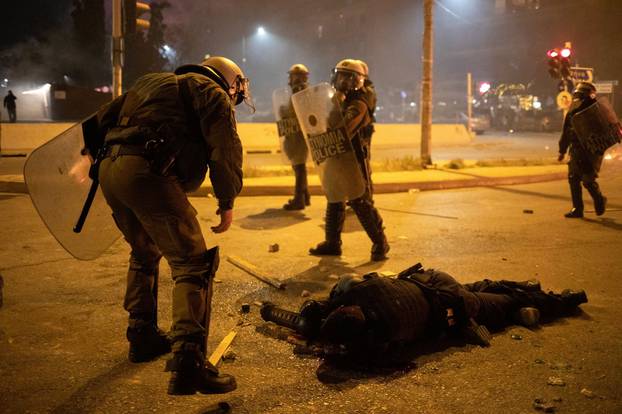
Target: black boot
<point x="600" y="201"/>
<point x="372" y="223"/>
<point x="335" y="217"/>
<point x="577" y="200"/>
<point x="572" y="298"/>
<point x="147" y="342"/>
<point x="191" y="373"/>
<point x="301" y="192"/>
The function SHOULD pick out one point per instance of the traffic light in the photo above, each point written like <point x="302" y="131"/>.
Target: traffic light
<point x="132" y="11"/>
<point x="554" y="63"/>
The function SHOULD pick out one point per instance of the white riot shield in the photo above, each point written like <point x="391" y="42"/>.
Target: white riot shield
<point x="57" y="178"/>
<point x="597" y="126"/>
<point x="293" y="145"/>
<point x="322" y="125"/>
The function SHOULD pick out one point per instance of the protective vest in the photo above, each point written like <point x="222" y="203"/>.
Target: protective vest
<point x="395" y="310"/>
<point x="154" y="108"/>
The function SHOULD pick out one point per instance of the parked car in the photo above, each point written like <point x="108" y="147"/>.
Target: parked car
<point x="479" y="122"/>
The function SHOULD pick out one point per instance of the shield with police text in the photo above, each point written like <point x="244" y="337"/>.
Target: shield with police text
<point x="597" y="126"/>
<point x="319" y="114"/>
<point x="293" y="145"/>
<point x="57" y="178"/>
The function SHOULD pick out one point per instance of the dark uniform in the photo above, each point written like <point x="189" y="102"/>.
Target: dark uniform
<point x="371" y="314"/>
<point x="294" y="145"/>
<point x="187" y="120"/>
<point x="583" y="166"/>
<point x="9" y="104"/>
<point x="357" y="119"/>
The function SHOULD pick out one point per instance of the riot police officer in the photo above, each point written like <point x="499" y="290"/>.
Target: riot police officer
<point x="294" y="144"/>
<point x="348" y="80"/>
<point x="160" y="138"/>
<point x="368" y="315"/>
<point x="583" y="166"/>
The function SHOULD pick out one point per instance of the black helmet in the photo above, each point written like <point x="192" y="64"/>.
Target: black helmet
<point x="584" y="90"/>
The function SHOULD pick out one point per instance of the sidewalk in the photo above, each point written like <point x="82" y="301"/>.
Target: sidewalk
<point x="384" y="182"/>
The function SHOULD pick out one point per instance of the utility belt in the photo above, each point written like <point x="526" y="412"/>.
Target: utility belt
<point x="160" y="153"/>
<point x="115" y="150"/>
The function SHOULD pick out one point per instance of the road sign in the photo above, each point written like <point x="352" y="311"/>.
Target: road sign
<point x="582" y="74"/>
<point x="605" y="86"/>
<point x="564" y="99"/>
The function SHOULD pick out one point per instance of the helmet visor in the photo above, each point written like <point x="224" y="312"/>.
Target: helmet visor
<point x="345" y="81"/>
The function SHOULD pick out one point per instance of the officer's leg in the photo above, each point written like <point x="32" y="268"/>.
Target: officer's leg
<point x="179" y="237"/>
<point x="600" y="201"/>
<point x="574" y="180"/>
<point x="335" y="218"/>
<point x="372" y="223"/>
<point x="146" y="340"/>
<point x="301" y="192"/>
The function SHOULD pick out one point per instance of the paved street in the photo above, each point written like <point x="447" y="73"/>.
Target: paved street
<point x="62" y="327"/>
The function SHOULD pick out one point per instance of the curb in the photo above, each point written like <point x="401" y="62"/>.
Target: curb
<point x="19" y="187"/>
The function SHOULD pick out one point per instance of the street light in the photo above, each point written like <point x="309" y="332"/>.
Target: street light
<point x="261" y="33"/>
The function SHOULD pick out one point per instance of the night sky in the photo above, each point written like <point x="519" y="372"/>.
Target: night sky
<point x="469" y="36"/>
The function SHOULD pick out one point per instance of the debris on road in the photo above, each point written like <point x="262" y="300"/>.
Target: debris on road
<point x="254" y="271"/>
<point x="222" y="347"/>
<point x="541" y="405"/>
<point x="229" y="356"/>
<point x="556" y="381"/>
<point x="305" y="294"/>
<point x="588" y="393"/>
<point x="516" y="337"/>
<point x="273" y="248"/>
<point x="528" y="211"/>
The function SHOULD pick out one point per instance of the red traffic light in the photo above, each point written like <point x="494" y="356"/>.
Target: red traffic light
<point x="566" y="52"/>
<point x="553" y="53"/>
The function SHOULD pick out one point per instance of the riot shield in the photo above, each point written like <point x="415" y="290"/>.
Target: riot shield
<point x="57" y="178"/>
<point x="293" y="145"/>
<point x="597" y="126"/>
<point x="322" y="125"/>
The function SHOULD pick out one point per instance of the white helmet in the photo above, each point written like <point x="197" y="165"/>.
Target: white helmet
<point x="298" y="77"/>
<point x="349" y="74"/>
<point x="237" y="86"/>
<point x="298" y="68"/>
<point x="365" y="68"/>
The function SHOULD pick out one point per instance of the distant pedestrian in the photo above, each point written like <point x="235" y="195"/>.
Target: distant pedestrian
<point x="9" y="104"/>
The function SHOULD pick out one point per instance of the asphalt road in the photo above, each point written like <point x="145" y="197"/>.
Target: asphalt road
<point x="493" y="145"/>
<point x="62" y="327"/>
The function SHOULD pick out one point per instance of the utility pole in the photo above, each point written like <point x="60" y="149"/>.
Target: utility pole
<point x="426" y="84"/>
<point x="117" y="49"/>
<point x="469" y="102"/>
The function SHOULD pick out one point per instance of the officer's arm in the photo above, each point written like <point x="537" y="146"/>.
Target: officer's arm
<point x="224" y="147"/>
<point x="564" y="140"/>
<point x="355" y="117"/>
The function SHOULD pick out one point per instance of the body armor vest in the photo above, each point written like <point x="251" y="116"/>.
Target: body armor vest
<point x="396" y="310"/>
